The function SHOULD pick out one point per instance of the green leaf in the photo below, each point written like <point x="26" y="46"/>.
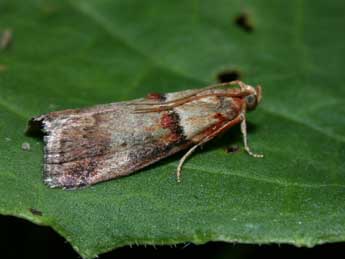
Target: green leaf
<point x="68" y="54"/>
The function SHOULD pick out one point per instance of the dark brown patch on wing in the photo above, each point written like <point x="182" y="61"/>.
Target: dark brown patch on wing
<point x="171" y="120"/>
<point x="75" y="146"/>
<point x="79" y="138"/>
<point x="146" y="153"/>
<point x="71" y="174"/>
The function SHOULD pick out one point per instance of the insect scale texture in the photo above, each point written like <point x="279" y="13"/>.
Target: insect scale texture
<point x="90" y="145"/>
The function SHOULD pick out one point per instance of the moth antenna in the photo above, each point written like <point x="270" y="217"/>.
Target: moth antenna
<point x="156" y="109"/>
<point x="239" y="83"/>
<point x="183" y="159"/>
<point x="191" y="95"/>
<point x="179" y="102"/>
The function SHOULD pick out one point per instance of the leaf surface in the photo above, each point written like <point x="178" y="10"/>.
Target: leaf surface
<point x="69" y="54"/>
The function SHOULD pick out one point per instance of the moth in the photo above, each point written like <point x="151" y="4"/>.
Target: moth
<point x="90" y="145"/>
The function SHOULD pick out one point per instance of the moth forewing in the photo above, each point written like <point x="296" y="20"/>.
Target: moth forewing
<point x="90" y="145"/>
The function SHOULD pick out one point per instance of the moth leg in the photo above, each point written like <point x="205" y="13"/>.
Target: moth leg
<point x="244" y="135"/>
<point x="239" y="119"/>
<point x="154" y="109"/>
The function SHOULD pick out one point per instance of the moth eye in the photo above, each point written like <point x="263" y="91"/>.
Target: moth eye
<point x="251" y="101"/>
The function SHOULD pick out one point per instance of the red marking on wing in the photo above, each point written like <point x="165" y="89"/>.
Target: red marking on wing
<point x="154" y="96"/>
<point x="170" y="121"/>
<point x="167" y="121"/>
<point x="239" y="103"/>
<point x="220" y="117"/>
<point x="210" y="131"/>
<point x="173" y="137"/>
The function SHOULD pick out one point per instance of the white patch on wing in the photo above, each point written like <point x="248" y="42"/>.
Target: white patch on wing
<point x="196" y="117"/>
<point x="178" y="95"/>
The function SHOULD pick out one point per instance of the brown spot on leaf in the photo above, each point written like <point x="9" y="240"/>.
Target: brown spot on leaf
<point x="232" y="149"/>
<point x="228" y="76"/>
<point x="244" y="22"/>
<point x="2" y="67"/>
<point x="36" y="212"/>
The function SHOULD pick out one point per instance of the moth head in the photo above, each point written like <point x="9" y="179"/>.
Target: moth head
<point x="254" y="97"/>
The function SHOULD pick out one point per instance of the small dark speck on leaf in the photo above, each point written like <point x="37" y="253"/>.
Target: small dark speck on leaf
<point x="228" y="76"/>
<point x="232" y="149"/>
<point x="36" y="212"/>
<point x="244" y="22"/>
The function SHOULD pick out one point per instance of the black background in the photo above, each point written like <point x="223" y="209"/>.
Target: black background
<point x="22" y="239"/>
